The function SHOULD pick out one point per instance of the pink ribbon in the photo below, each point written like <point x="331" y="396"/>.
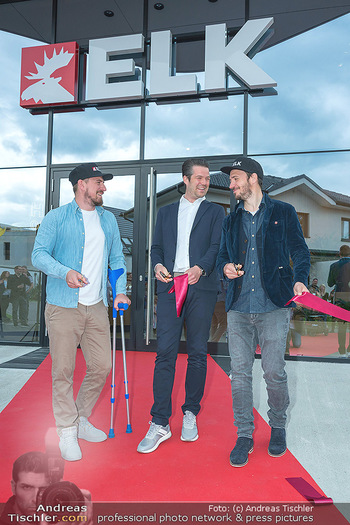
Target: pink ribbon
<point x="316" y="303"/>
<point x="180" y="288"/>
<point x="305" y="489"/>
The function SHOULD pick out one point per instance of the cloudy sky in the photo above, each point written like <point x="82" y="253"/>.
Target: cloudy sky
<point x="311" y="112"/>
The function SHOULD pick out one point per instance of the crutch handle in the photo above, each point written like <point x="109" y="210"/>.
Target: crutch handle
<point x="122" y="307"/>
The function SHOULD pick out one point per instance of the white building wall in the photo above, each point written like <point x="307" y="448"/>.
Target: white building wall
<point x="21" y="246"/>
<point x="324" y="221"/>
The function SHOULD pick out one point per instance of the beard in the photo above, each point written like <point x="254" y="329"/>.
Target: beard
<point x="244" y="193"/>
<point x="95" y="201"/>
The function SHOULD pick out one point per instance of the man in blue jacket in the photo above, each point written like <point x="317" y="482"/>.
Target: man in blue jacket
<point x="339" y="276"/>
<point x="258" y="239"/>
<point x="186" y="240"/>
<point x="74" y="246"/>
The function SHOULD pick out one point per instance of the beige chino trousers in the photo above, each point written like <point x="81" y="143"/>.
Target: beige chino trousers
<point x="67" y="328"/>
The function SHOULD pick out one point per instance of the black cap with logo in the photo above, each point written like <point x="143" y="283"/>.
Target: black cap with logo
<point x="245" y="164"/>
<point x="86" y="171"/>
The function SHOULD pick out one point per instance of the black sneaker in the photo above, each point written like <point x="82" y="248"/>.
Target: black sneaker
<point x="239" y="455"/>
<point x="277" y="445"/>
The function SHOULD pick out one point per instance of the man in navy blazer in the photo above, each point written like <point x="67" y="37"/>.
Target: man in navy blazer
<point x="258" y="239"/>
<point x="186" y="240"/>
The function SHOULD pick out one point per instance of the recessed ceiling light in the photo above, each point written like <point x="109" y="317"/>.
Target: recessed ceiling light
<point x="212" y="1"/>
<point x="109" y="13"/>
<point x="159" y="6"/>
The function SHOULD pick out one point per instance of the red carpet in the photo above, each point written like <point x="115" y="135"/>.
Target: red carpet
<point x="316" y="346"/>
<point x="177" y="471"/>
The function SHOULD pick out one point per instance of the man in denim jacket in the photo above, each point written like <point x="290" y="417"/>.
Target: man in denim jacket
<point x="258" y="239"/>
<point x="74" y="246"/>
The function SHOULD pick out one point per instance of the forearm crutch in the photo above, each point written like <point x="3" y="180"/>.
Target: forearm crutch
<point x="122" y="307"/>
<point x="113" y="276"/>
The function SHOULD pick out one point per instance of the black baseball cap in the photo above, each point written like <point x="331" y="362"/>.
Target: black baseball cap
<point x="245" y="164"/>
<point x="86" y="171"/>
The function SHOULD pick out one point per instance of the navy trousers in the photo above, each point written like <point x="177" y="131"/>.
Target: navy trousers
<point x="197" y="313"/>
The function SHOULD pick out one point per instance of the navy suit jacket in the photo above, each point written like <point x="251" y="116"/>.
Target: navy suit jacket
<point x="279" y="238"/>
<point x="204" y="242"/>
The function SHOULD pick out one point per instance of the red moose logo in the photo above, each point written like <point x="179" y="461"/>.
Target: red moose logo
<point x="49" y="75"/>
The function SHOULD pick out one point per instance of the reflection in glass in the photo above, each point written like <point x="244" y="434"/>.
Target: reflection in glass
<point x="194" y="129"/>
<point x="314" y="184"/>
<point x="345" y="229"/>
<point x="23" y="138"/>
<point x="312" y="73"/>
<point x="119" y="192"/>
<point x="22" y="205"/>
<point x="93" y="136"/>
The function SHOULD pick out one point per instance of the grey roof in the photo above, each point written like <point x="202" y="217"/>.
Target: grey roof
<point x="125" y="226"/>
<point x="338" y="197"/>
<point x="220" y="180"/>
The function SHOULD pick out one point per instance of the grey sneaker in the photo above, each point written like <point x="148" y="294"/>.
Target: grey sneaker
<point x="154" y="437"/>
<point x="189" y="427"/>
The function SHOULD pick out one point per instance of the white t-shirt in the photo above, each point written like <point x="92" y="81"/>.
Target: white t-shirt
<point x="92" y="259"/>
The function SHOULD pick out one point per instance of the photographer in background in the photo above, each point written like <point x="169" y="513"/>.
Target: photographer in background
<point x="29" y="476"/>
<point x="36" y="485"/>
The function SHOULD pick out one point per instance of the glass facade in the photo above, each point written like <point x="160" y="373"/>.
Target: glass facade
<point x="197" y="129"/>
<point x="300" y="136"/>
<point x="313" y="72"/>
<point x="96" y="136"/>
<point x="22" y="205"/>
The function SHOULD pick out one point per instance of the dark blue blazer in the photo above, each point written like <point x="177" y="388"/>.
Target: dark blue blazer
<point x="339" y="275"/>
<point x="204" y="242"/>
<point x="279" y="238"/>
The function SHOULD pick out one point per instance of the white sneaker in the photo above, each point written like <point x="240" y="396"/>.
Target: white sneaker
<point x="88" y="432"/>
<point x="189" y="427"/>
<point x="68" y="444"/>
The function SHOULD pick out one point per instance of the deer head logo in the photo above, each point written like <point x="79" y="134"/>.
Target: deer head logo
<point x="48" y="88"/>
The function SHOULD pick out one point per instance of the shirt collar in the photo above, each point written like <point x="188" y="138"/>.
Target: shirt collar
<point x="183" y="200"/>
<point x="75" y="207"/>
<point x="262" y="204"/>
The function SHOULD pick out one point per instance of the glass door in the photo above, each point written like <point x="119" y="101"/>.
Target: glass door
<point x="165" y="186"/>
<point x="119" y="199"/>
<point x="134" y="196"/>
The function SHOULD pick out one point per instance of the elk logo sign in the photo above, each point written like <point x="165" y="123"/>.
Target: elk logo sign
<point x="49" y="75"/>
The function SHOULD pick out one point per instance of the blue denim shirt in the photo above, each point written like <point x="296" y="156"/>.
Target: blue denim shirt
<point x="59" y="247"/>
<point x="253" y="298"/>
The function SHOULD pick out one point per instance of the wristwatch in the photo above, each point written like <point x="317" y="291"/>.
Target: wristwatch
<point x="203" y="271"/>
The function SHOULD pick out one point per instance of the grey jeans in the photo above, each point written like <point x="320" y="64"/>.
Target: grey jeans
<point x="270" y="330"/>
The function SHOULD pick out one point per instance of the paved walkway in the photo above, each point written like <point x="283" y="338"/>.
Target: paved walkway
<point x="318" y="420"/>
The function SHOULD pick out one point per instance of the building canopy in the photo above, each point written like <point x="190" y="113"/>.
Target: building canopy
<point x="82" y="20"/>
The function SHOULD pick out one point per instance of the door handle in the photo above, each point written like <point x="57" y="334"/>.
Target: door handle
<point x="152" y="198"/>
